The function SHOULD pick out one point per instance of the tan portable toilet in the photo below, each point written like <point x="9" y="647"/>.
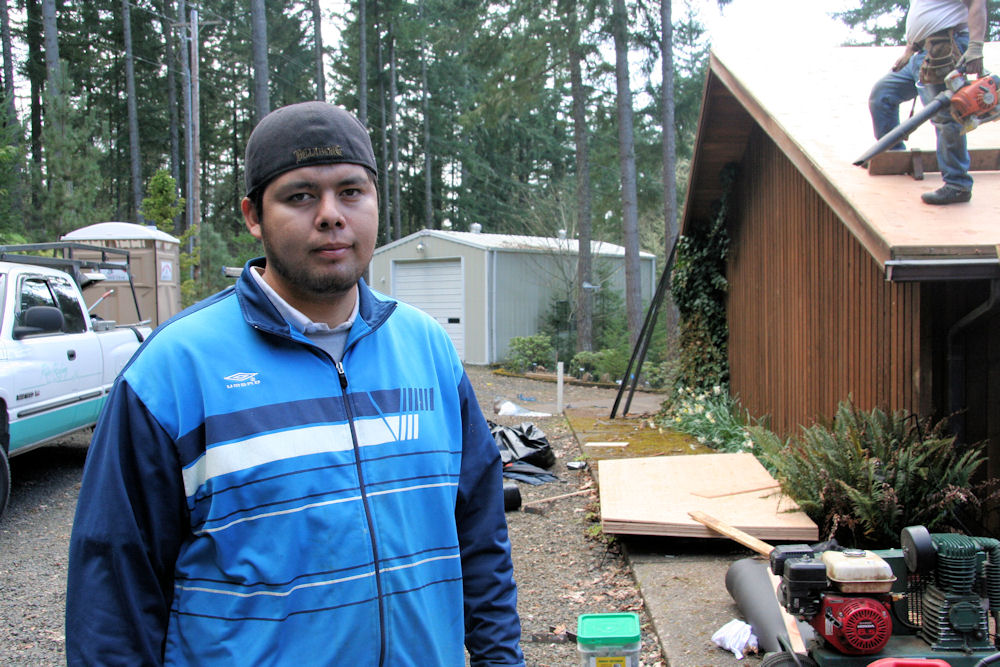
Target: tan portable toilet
<point x="154" y="257"/>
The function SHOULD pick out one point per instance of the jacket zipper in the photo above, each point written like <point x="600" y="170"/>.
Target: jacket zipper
<point x="368" y="513"/>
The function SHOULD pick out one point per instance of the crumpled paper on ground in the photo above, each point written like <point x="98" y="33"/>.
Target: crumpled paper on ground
<point x="506" y="408"/>
<point x="736" y="636"/>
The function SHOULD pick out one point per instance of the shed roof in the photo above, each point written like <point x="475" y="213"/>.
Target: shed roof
<point x="515" y="243"/>
<point x="104" y="231"/>
<point x="815" y="108"/>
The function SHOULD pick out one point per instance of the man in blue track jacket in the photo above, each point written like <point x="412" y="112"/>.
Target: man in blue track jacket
<point x="295" y="471"/>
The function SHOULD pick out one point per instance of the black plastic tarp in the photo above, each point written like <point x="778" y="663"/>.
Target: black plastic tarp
<point x="525" y="452"/>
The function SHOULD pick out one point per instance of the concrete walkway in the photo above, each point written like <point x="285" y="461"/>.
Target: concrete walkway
<point x="683" y="584"/>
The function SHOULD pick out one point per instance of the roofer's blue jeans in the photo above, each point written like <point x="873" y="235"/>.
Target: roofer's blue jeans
<point x="897" y="87"/>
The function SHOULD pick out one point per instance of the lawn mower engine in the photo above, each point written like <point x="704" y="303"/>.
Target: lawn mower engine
<point x="928" y="599"/>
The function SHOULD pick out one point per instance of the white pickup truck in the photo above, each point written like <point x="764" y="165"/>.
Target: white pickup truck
<point x="57" y="363"/>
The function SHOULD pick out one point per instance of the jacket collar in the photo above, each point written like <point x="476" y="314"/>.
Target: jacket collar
<point x="260" y="313"/>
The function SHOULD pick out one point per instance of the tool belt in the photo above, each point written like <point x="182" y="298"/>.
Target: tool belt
<point x="941" y="56"/>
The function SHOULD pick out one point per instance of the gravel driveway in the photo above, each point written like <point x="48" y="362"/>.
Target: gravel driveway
<point x="34" y="539"/>
<point x="560" y="572"/>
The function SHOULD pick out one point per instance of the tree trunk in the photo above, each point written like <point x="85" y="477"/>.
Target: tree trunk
<point x="669" y="150"/>
<point x="8" y="64"/>
<point x="425" y="94"/>
<point x="318" y="38"/>
<point x="384" y="138"/>
<point x="363" y="63"/>
<point x="262" y="98"/>
<point x="17" y="191"/>
<point x="626" y="153"/>
<point x="36" y="77"/>
<point x="397" y="224"/>
<point x="235" y="156"/>
<point x="669" y="138"/>
<point x="584" y="277"/>
<point x="135" y="166"/>
<point x="52" y="129"/>
<point x="53" y="79"/>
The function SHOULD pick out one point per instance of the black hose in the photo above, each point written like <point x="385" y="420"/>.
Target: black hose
<point x="750" y="587"/>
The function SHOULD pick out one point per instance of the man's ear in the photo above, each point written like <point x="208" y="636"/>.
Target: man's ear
<point x="250" y="217"/>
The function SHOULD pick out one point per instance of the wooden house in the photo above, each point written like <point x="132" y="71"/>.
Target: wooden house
<point x="842" y="282"/>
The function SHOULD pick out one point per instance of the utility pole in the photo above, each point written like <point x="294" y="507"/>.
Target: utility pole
<point x="135" y="165"/>
<point x="188" y="151"/>
<point x="261" y="92"/>
<point x="190" y="58"/>
<point x="195" y="126"/>
<point x="318" y="47"/>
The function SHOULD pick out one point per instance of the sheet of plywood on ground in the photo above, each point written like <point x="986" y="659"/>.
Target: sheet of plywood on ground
<point x="652" y="496"/>
<point x="817" y="112"/>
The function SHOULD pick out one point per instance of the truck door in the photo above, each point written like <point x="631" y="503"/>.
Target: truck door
<point x="58" y="374"/>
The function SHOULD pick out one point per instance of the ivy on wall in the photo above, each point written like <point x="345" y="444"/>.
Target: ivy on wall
<point x="699" y="289"/>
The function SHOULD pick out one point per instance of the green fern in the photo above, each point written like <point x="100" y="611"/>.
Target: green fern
<point x="868" y="474"/>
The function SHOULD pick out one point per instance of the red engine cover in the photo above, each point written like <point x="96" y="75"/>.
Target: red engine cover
<point x="856" y="626"/>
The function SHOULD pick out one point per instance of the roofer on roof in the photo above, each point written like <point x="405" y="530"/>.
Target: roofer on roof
<point x="941" y="35"/>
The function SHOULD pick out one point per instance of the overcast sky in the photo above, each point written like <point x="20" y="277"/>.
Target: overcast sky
<point x="795" y="21"/>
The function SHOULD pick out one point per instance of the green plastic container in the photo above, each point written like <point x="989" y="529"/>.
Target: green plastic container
<point x="608" y="640"/>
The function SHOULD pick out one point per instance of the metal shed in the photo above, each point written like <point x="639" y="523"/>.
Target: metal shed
<point x="485" y="289"/>
<point x="154" y="257"/>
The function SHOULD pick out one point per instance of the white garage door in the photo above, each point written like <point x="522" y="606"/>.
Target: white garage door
<point x="435" y="287"/>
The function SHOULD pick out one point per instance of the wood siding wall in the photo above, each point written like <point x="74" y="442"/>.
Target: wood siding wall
<point x="812" y="319"/>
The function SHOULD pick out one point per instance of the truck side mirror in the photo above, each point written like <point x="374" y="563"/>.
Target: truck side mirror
<point x="39" y="320"/>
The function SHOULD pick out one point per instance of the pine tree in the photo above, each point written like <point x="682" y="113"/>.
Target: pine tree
<point x="162" y="205"/>
<point x="72" y="179"/>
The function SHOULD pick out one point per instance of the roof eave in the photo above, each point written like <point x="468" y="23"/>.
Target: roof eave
<point x="938" y="270"/>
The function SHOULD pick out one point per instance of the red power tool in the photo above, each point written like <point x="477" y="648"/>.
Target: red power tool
<point x="972" y="104"/>
<point x="975" y="103"/>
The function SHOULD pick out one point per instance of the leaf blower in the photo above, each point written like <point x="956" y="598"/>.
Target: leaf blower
<point x="971" y="103"/>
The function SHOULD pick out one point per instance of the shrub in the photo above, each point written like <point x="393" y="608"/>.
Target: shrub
<point x="584" y="362"/>
<point x="527" y="352"/>
<point x="699" y="287"/>
<point x="609" y="328"/>
<point x="870" y="474"/>
<point x="713" y="417"/>
<point x="659" y="374"/>
<point x="612" y="364"/>
<point x="606" y="362"/>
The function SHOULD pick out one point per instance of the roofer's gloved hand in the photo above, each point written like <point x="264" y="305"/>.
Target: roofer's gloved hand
<point x="972" y="59"/>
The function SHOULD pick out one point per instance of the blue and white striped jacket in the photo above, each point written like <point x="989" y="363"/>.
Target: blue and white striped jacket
<point x="249" y="501"/>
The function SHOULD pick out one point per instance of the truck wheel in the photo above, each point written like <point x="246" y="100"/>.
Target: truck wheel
<point x="4" y="480"/>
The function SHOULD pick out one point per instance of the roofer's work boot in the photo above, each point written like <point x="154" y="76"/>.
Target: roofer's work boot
<point x="947" y="194"/>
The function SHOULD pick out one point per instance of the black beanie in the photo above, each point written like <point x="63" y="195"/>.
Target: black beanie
<point x="305" y="134"/>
